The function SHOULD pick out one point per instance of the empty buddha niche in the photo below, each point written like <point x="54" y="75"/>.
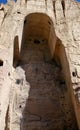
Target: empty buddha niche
<point x="48" y="106"/>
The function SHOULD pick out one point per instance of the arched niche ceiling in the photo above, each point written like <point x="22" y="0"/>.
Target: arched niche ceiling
<point x="38" y="27"/>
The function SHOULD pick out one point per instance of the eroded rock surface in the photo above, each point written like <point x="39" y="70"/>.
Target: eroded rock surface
<point x="37" y="93"/>
<point x="44" y="102"/>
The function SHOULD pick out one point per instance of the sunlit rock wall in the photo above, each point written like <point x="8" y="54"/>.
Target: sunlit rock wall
<point x="65" y="15"/>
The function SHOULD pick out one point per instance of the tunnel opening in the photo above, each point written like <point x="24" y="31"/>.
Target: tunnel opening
<point x="48" y="106"/>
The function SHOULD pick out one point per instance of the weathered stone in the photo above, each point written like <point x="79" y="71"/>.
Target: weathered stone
<point x="37" y="92"/>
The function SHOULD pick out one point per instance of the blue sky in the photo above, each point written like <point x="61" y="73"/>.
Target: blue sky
<point x="77" y="0"/>
<point x="4" y="1"/>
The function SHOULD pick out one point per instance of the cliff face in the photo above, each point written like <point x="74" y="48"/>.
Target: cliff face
<point x="40" y="65"/>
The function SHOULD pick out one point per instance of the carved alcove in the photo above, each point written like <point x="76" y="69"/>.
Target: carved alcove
<point x="43" y="58"/>
<point x="16" y="54"/>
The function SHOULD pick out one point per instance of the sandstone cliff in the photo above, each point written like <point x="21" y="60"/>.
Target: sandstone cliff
<point x="30" y="70"/>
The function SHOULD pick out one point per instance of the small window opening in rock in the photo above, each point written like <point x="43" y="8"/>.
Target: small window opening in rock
<point x="9" y="74"/>
<point x="74" y="74"/>
<point x="20" y="106"/>
<point x="18" y="81"/>
<point x="19" y="12"/>
<point x="36" y="41"/>
<point x="1" y="63"/>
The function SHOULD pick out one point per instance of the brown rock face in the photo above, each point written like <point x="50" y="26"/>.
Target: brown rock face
<point x="48" y="106"/>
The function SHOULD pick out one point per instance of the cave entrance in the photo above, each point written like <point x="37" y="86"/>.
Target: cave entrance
<point x="47" y="107"/>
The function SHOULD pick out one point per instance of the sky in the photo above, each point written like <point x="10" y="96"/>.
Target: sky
<point x="77" y="0"/>
<point x="4" y="1"/>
